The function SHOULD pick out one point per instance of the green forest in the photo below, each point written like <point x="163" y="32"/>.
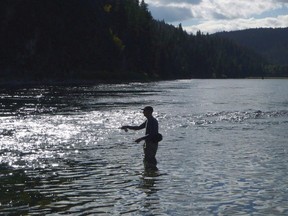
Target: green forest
<point x="270" y="43"/>
<point x="111" y="40"/>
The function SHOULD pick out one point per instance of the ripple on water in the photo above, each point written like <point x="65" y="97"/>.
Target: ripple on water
<point x="64" y="154"/>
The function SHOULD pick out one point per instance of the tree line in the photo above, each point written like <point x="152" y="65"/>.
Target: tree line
<point x="271" y="43"/>
<point x="110" y="40"/>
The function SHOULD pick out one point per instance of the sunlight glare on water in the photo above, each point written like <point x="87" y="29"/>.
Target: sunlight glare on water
<point x="224" y="150"/>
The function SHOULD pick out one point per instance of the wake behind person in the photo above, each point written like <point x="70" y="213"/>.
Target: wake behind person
<point x="151" y="143"/>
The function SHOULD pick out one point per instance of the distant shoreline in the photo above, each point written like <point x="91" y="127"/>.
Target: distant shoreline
<point x="30" y="83"/>
<point x="71" y="82"/>
<point x="266" y="78"/>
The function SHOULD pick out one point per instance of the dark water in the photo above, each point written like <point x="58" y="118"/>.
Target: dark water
<point x="224" y="151"/>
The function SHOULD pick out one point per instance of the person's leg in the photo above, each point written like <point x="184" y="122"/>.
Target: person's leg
<point x="150" y="150"/>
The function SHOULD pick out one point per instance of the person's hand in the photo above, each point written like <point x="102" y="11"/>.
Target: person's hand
<point x="125" y="128"/>
<point x="138" y="140"/>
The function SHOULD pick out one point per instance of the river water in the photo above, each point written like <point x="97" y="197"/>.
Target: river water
<point x="224" y="151"/>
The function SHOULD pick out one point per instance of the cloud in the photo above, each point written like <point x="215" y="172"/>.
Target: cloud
<point x="219" y="15"/>
<point x="172" y="10"/>
<point x="238" y="24"/>
<point x="211" y="9"/>
<point x="170" y="14"/>
<point x="165" y="2"/>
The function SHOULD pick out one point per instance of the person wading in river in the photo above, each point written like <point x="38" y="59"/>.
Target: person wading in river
<point x="151" y="142"/>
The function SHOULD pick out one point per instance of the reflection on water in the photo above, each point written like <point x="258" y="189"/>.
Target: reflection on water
<point x="224" y="150"/>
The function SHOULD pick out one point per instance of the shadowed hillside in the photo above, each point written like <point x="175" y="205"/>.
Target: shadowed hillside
<point x="270" y="43"/>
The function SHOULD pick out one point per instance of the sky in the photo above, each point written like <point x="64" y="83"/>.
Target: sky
<point x="210" y="16"/>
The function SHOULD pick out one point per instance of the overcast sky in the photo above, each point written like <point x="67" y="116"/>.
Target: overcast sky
<point x="211" y="16"/>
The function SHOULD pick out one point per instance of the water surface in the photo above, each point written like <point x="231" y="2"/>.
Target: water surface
<point x="224" y="150"/>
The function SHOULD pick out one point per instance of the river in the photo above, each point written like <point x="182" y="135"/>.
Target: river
<point x="224" y="149"/>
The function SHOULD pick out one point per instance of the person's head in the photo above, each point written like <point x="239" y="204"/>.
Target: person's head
<point x="147" y="111"/>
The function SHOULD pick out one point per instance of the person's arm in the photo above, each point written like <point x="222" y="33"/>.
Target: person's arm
<point x="142" y="126"/>
<point x="141" y="138"/>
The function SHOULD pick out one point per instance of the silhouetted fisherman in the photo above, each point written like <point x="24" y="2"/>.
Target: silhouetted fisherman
<point x="151" y="143"/>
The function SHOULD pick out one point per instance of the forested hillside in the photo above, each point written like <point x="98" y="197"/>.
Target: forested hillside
<point x="109" y="39"/>
<point x="270" y="43"/>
